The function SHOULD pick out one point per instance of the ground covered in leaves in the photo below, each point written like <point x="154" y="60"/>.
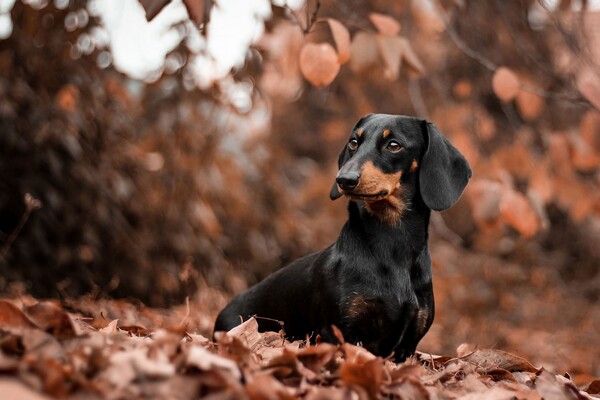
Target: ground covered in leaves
<point x="46" y="351"/>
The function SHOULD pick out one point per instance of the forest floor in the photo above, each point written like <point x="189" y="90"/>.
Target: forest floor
<point x="531" y="339"/>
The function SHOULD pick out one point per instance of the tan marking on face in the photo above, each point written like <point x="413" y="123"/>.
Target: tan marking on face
<point x="373" y="180"/>
<point x="414" y="166"/>
<point x="386" y="133"/>
<point x="389" y="209"/>
<point x="359" y="132"/>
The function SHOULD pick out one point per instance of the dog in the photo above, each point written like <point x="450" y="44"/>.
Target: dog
<point x="374" y="283"/>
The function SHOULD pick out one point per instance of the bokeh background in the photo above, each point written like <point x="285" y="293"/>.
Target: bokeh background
<point x="191" y="155"/>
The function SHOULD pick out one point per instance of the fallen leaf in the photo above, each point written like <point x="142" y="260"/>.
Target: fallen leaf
<point x="247" y="333"/>
<point x="111" y="327"/>
<point x="52" y="319"/>
<point x="489" y="359"/>
<point x="11" y="318"/>
<point x="593" y="387"/>
<point x="264" y="387"/>
<point x="319" y="63"/>
<point x="204" y="360"/>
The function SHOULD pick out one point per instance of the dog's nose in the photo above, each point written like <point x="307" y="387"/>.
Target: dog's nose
<point x="348" y="181"/>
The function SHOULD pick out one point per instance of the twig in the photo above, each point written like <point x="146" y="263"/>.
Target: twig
<point x="31" y="204"/>
<point x="416" y="98"/>
<point x="459" y="42"/>
<point x="311" y="18"/>
<point x="187" y="310"/>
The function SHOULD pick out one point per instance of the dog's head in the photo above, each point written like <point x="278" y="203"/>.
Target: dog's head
<point x="387" y="152"/>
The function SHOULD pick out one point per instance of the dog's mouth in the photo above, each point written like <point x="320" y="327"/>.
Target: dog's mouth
<point x="368" y="196"/>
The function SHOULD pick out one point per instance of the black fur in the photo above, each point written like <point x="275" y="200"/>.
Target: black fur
<point x="374" y="282"/>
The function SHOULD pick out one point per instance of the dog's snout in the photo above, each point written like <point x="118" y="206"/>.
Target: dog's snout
<point x="348" y="181"/>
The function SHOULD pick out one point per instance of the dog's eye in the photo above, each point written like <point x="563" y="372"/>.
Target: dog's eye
<point x="353" y="144"/>
<point x="393" y="146"/>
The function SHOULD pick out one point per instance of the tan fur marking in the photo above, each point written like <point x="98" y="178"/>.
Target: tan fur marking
<point x="386" y="133"/>
<point x="422" y="317"/>
<point x="359" y="132"/>
<point x="358" y="306"/>
<point x="414" y="166"/>
<point x="389" y="209"/>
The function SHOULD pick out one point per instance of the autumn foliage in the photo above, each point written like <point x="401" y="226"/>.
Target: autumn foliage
<point x="111" y="187"/>
<point x="49" y="351"/>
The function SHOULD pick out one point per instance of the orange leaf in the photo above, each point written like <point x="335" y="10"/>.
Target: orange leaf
<point x="410" y="58"/>
<point x="385" y="24"/>
<point x="517" y="211"/>
<point x="390" y="48"/>
<point x="530" y="105"/>
<point x="341" y="37"/>
<point x="505" y="84"/>
<point x="319" y="63"/>
<point x="484" y="197"/>
<point x="364" y="53"/>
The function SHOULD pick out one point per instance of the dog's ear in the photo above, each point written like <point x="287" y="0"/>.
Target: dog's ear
<point x="444" y="172"/>
<point x="334" y="193"/>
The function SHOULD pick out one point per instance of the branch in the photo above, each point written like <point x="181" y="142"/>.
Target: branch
<point x="31" y="204"/>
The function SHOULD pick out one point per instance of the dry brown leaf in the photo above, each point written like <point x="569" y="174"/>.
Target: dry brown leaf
<point x="385" y="24"/>
<point x="553" y="388"/>
<point x="247" y="333"/>
<point x="265" y="387"/>
<point x="593" y="387"/>
<point x="204" y="360"/>
<point x="364" y="53"/>
<point x="517" y="211"/>
<point x="490" y="359"/>
<point x="315" y="357"/>
<point x="341" y="37"/>
<point x="365" y="374"/>
<point x="505" y="84"/>
<point x="13" y="389"/>
<point x="111" y="327"/>
<point x="409" y="388"/>
<point x="319" y="63"/>
<point x="13" y="318"/>
<point x="52" y="319"/>
<point x="390" y="48"/>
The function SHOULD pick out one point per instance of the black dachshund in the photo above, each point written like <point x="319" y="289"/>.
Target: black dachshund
<point x="374" y="282"/>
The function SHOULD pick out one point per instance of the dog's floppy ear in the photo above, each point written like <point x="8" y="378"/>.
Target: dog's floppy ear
<point x="334" y="193"/>
<point x="444" y="172"/>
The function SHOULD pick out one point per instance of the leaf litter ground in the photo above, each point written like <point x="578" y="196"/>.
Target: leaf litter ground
<point x="48" y="352"/>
